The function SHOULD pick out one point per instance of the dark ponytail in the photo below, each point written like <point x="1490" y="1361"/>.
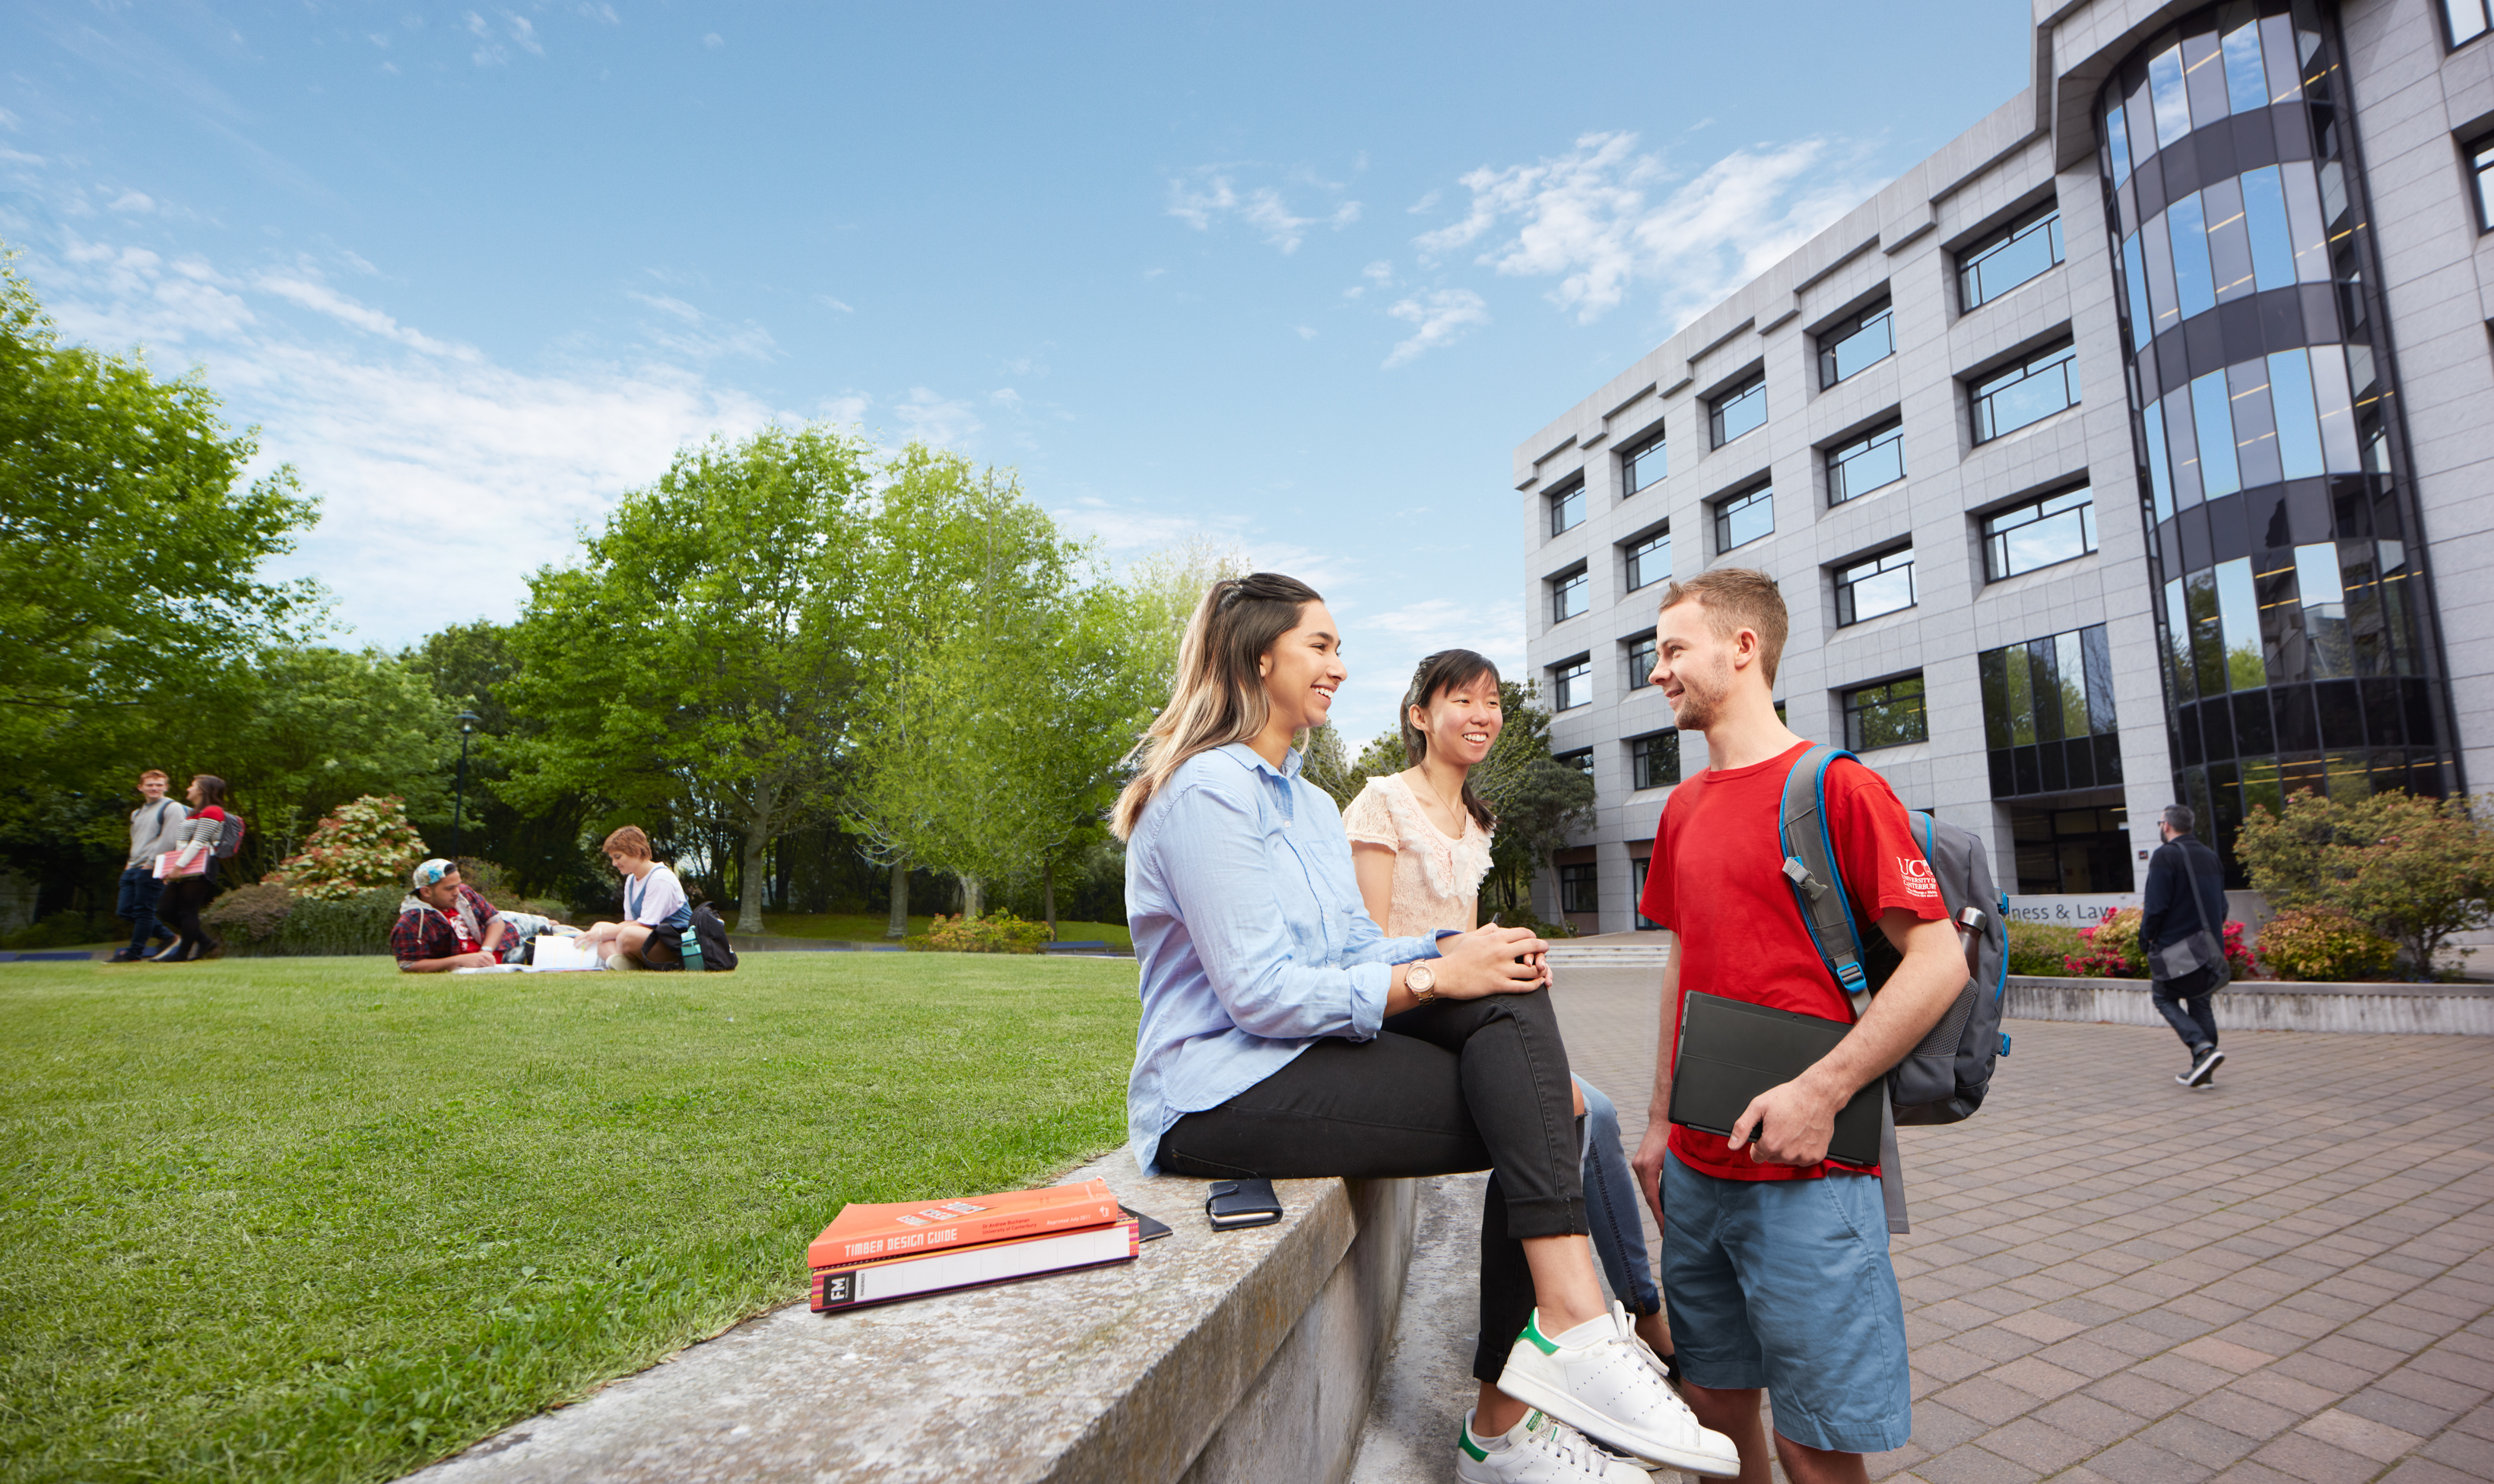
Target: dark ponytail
<point x="1440" y="673"/>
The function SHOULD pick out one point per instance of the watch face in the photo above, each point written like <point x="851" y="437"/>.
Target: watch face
<point x="1418" y="980"/>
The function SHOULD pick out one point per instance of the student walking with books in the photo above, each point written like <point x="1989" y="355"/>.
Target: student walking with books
<point x="191" y="876"/>
<point x="1776" y="1261"/>
<point x="1419" y="845"/>
<point x="1284" y="1035"/>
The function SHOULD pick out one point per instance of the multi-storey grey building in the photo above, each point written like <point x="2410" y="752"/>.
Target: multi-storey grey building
<point x="2134" y="448"/>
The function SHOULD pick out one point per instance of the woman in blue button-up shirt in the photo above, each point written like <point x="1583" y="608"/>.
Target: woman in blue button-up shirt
<point x="1284" y="1035"/>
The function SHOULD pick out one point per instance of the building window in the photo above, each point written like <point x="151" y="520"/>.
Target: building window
<point x="1636" y="876"/>
<point x="1877" y="585"/>
<point x="2481" y="169"/>
<point x="1889" y="714"/>
<point x="1650" y="560"/>
<point x="1581" y="760"/>
<point x="1580" y="888"/>
<point x="2467" y="20"/>
<point x="2048" y="714"/>
<point x="2011" y="398"/>
<point x="2008" y="258"/>
<point x="1566" y="508"/>
<point x="1643" y="466"/>
<point x="1739" y="410"/>
<point x="1854" y="342"/>
<point x="1640" y="662"/>
<point x="1876" y="458"/>
<point x="1741" y="519"/>
<point x="2057" y="528"/>
<point x="1653" y="762"/>
<point x="1571" y="682"/>
<point x="1568" y="595"/>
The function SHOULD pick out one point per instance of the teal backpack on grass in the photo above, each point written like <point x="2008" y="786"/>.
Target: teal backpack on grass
<point x="1944" y="1078"/>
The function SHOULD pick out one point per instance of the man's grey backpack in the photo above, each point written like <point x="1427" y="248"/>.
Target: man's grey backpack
<point x="1944" y="1078"/>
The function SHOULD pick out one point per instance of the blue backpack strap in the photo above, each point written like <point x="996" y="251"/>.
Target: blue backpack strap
<point x="1810" y="868"/>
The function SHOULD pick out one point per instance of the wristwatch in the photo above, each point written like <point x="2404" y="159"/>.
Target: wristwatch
<point x="1423" y="982"/>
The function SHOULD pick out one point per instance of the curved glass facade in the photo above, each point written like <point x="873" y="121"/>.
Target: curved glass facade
<point x="2297" y="640"/>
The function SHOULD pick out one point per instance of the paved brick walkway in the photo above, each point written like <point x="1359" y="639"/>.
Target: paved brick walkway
<point x="2290" y="1277"/>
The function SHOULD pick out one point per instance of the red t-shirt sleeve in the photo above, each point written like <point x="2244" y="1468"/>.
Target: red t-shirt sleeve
<point x="1876" y="850"/>
<point x="211" y="812"/>
<point x="1656" y="902"/>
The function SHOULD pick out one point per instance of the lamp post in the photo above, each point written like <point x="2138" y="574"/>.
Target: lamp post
<point x="459" y="801"/>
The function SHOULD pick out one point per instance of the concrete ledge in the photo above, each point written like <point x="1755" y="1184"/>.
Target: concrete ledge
<point x="2409" y="1010"/>
<point x="1212" y="1357"/>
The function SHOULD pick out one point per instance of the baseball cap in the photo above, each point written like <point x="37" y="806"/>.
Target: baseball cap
<point x="431" y="871"/>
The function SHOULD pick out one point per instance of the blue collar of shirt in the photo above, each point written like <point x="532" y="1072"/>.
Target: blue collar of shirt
<point x="1249" y="758"/>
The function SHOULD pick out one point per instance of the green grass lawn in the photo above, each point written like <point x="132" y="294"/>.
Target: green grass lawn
<point x="311" y="1218"/>
<point x="857" y="928"/>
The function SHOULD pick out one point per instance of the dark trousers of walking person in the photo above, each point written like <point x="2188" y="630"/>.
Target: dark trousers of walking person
<point x="139" y="891"/>
<point x="2189" y="1005"/>
<point x="1452" y="1087"/>
<point x="184" y="897"/>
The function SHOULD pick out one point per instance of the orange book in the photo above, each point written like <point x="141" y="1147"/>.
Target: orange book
<point x="871" y="1233"/>
<point x="946" y="1270"/>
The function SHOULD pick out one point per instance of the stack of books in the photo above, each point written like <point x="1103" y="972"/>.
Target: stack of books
<point x="875" y="1254"/>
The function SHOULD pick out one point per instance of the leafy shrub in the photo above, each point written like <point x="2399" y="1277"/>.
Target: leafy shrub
<point x="2414" y="870"/>
<point x="541" y="906"/>
<point x="2325" y="946"/>
<point x="997" y="932"/>
<point x="489" y="878"/>
<point x="2043" y="948"/>
<point x="252" y="914"/>
<point x="358" y="847"/>
<point x="360" y="924"/>
<point x="2113" y="951"/>
<point x="61" y="930"/>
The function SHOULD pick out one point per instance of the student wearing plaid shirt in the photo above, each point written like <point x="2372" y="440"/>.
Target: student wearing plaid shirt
<point x="444" y="923"/>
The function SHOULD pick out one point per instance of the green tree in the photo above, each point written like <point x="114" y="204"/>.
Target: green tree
<point x="1538" y="800"/>
<point x="2415" y="871"/>
<point x="1165" y="586"/>
<point x="129" y="546"/>
<point x="701" y="660"/>
<point x="1004" y="681"/>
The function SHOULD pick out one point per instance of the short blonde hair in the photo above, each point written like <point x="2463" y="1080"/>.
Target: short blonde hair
<point x="631" y="841"/>
<point x="1735" y="599"/>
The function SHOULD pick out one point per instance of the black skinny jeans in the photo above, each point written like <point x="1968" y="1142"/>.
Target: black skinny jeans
<point x="2186" y="1005"/>
<point x="1455" y="1085"/>
<point x="180" y="907"/>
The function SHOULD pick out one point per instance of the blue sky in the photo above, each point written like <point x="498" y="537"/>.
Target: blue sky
<point x="1293" y="277"/>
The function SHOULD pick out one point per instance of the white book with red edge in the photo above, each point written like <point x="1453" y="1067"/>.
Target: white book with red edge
<point x="875" y="1254"/>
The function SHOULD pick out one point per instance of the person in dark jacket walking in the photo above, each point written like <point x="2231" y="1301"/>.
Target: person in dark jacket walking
<point x="2170" y="914"/>
<point x="185" y="895"/>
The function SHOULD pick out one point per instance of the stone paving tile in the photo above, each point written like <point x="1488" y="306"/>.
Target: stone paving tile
<point x="2135" y="1284"/>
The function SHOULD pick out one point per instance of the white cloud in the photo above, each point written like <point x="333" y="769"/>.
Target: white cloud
<point x="489" y="53"/>
<point x="928" y="418"/>
<point x="604" y="13"/>
<point x="828" y="302"/>
<point x="1439" y="317"/>
<point x="703" y="338"/>
<point x="1212" y="195"/>
<point x="132" y="203"/>
<point x="444" y="479"/>
<point x="714" y="41"/>
<point x="1604" y="218"/>
<point x="300" y="288"/>
<point x="525" y="32"/>
<point x="1306" y="332"/>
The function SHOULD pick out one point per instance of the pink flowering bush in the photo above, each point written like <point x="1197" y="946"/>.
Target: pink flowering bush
<point x="358" y="847"/>
<point x="2113" y="950"/>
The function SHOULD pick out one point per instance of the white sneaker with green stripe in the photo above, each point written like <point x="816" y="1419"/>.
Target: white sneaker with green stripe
<point x="1540" y="1450"/>
<point x="1603" y="1381"/>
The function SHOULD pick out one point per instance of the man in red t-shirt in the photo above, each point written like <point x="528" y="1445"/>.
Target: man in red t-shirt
<point x="1775" y="1262"/>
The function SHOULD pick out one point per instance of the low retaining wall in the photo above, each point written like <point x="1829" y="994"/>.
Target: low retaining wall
<point x="2412" y="1010"/>
<point x="1212" y="1357"/>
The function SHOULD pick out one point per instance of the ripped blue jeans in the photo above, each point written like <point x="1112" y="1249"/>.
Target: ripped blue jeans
<point x="1611" y="1208"/>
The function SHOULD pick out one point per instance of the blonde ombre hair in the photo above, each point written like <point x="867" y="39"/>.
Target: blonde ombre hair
<point x="1220" y="696"/>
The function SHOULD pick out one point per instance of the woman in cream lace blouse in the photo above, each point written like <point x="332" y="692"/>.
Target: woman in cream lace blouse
<point x="1419" y="845"/>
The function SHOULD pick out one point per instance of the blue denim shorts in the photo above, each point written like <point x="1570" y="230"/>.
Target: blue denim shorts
<point x="1786" y="1285"/>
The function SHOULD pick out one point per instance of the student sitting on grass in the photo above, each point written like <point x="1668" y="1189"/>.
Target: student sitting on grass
<point x="444" y="923"/>
<point x="653" y="898"/>
<point x="1285" y="1035"/>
